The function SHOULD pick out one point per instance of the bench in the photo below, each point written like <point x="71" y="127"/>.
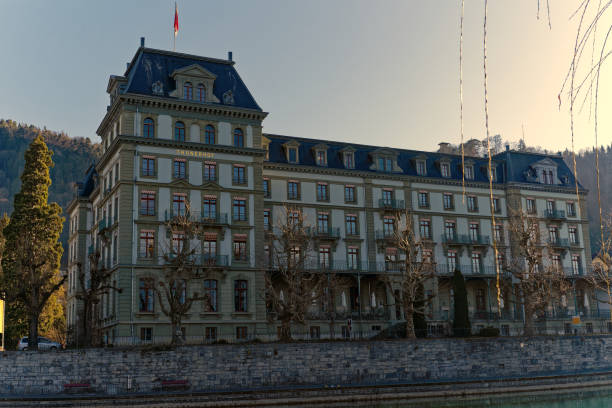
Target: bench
<point x="174" y="385"/>
<point x="77" y="387"/>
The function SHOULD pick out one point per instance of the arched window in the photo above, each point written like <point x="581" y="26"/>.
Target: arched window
<point x="238" y="138"/>
<point x="201" y="93"/>
<point x="209" y="134"/>
<point x="148" y="128"/>
<point x="179" y="131"/>
<point x="188" y="90"/>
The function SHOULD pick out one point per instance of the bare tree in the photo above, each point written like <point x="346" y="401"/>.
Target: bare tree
<point x="92" y="287"/>
<point x="180" y="268"/>
<point x="535" y="285"/>
<point x="407" y="284"/>
<point x="332" y="285"/>
<point x="601" y="278"/>
<point x="292" y="286"/>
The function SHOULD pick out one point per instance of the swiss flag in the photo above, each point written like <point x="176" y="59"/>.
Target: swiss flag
<point x="175" y="20"/>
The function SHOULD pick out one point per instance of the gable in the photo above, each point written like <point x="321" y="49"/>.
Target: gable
<point x="194" y="71"/>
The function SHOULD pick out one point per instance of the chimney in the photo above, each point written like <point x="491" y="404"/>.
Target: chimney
<point x="443" y="147"/>
<point x="142" y="41"/>
<point x="127" y="65"/>
<point x="229" y="56"/>
<point x="507" y="147"/>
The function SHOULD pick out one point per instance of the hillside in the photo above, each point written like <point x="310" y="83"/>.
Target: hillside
<point x="72" y="156"/>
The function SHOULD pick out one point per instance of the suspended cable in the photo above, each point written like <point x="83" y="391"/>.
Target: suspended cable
<point x="461" y="100"/>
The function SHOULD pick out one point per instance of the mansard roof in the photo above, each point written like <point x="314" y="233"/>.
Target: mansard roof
<point x="510" y="165"/>
<point x="151" y="65"/>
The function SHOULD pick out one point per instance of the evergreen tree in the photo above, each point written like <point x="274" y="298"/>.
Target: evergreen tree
<point x="32" y="255"/>
<point x="461" y="322"/>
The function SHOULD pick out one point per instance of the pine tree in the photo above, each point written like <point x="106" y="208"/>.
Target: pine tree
<point x="461" y="321"/>
<point x="32" y="255"/>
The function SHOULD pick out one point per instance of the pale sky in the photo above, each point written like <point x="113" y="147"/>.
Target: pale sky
<point x="380" y="72"/>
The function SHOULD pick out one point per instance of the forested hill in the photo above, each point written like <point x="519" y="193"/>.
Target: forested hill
<point x="72" y="156"/>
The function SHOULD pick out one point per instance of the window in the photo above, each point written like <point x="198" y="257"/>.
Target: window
<point x="474" y="231"/>
<point x="387" y="197"/>
<point x="239" y="175"/>
<point x="349" y="194"/>
<point x="209" y="135"/>
<point x="266" y="216"/>
<point x="209" y="208"/>
<point x="423" y="199"/>
<point x="468" y="172"/>
<point x="445" y="169"/>
<point x="322" y="192"/>
<point x="547" y="177"/>
<point x="210" y="249"/>
<point x="448" y="201"/>
<point x="553" y="234"/>
<point x="324" y="257"/>
<point x="210" y="294"/>
<point x="315" y="332"/>
<point x="238" y="138"/>
<point x="147" y="166"/>
<point x="179" y="131"/>
<point x="178" y="242"/>
<point x="573" y="235"/>
<point x="323" y="223"/>
<point x="349" y="160"/>
<point x="472" y="203"/>
<point x="147" y="203"/>
<point x="475" y="262"/>
<point x="188" y="90"/>
<point x="293" y="217"/>
<point x="427" y="256"/>
<point x="420" y="168"/>
<point x="240" y="248"/>
<point x="240" y="296"/>
<point x="531" y="206"/>
<point x="351" y="224"/>
<point x="321" y="156"/>
<point x="352" y="258"/>
<point x="571" y="209"/>
<point x="425" y="229"/>
<point x="146" y="334"/>
<point x="496" y="205"/>
<point x="293" y="190"/>
<point x="266" y="187"/>
<point x="147" y="300"/>
<point x="210" y="333"/>
<point x="550" y="206"/>
<point x="556" y="261"/>
<point x="450" y="230"/>
<point x="501" y="261"/>
<point x="180" y="169"/>
<point x="179" y="204"/>
<point x="148" y="128"/>
<point x="147" y="244"/>
<point x="451" y="260"/>
<point x="241" y="333"/>
<point x="499" y="233"/>
<point x="295" y="255"/>
<point x="388" y="226"/>
<point x="292" y="154"/>
<point x="239" y="209"/>
<point x="576" y="269"/>
<point x="385" y="164"/>
<point x="493" y="174"/>
<point x="210" y="171"/>
<point x="201" y="93"/>
<point x="178" y="290"/>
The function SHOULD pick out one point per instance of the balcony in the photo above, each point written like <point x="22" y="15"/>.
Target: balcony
<point x="455" y="239"/>
<point x="391" y="204"/>
<point x="554" y="214"/>
<point x="239" y="181"/>
<point x="384" y="235"/>
<point x="325" y="233"/>
<point x="102" y="225"/>
<point x="209" y="260"/>
<point x="211" y="219"/>
<point x="559" y="242"/>
<point x="470" y="270"/>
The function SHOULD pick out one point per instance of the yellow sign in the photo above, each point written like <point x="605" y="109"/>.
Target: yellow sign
<point x="576" y="320"/>
<point x="192" y="153"/>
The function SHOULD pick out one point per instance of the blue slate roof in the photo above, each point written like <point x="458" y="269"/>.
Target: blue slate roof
<point x="87" y="186"/>
<point x="150" y="65"/>
<point x="511" y="166"/>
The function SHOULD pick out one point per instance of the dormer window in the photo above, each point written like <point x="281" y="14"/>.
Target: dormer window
<point x="321" y="158"/>
<point x="547" y="176"/>
<point x="292" y="155"/>
<point x="468" y="171"/>
<point x="420" y="168"/>
<point x="545" y="171"/>
<point x="385" y="164"/>
<point x="349" y="160"/>
<point x="493" y="174"/>
<point x="188" y="91"/>
<point x="201" y="93"/>
<point x="445" y="169"/>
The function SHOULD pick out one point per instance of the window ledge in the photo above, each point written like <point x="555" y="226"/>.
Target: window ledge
<point x="210" y="315"/>
<point x="147" y="314"/>
<point x="242" y="314"/>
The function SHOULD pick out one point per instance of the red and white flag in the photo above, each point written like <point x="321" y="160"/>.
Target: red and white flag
<point x="176" y="26"/>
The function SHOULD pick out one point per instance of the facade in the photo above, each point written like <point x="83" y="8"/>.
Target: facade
<point x="183" y="134"/>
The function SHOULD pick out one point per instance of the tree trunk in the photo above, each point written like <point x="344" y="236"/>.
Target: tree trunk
<point x="33" y="337"/>
<point x="409" y="315"/>
<point x="529" y="329"/>
<point x="285" y="332"/>
<point x="176" y="324"/>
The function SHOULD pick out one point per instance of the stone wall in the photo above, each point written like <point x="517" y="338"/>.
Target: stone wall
<point x="227" y="367"/>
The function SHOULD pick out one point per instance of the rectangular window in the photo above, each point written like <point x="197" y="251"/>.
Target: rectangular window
<point x="450" y="230"/>
<point x="293" y="190"/>
<point x="324" y="257"/>
<point x="576" y="267"/>
<point x="423" y="199"/>
<point x="240" y="248"/>
<point x="550" y="206"/>
<point x="476" y="262"/>
<point x="349" y="160"/>
<point x="388" y="165"/>
<point x="147" y="292"/>
<point x="499" y="233"/>
<point x="180" y="169"/>
<point x="210" y="171"/>
<point x="352" y="258"/>
<point x="209" y="249"/>
<point x="351" y="224"/>
<point x="242" y="333"/>
<point x="425" y="229"/>
<point x="178" y="291"/>
<point x="240" y="295"/>
<point x="387" y="196"/>
<point x="323" y="223"/>
<point x="448" y="201"/>
<point x="469" y="172"/>
<point x="496" y="205"/>
<point x="571" y="209"/>
<point x="209" y="208"/>
<point x="266" y="188"/>
<point x="474" y="231"/>
<point x="553" y="234"/>
<point x="531" y="206"/>
<point x="420" y="168"/>
<point x="445" y="169"/>
<point x="178" y="242"/>
<point x="147" y="166"/>
<point x="147" y="244"/>
<point x="573" y="235"/>
<point x="210" y="295"/>
<point x="147" y="203"/>
<point x="146" y="334"/>
<point x="556" y="261"/>
<point x="292" y="155"/>
<point x="388" y="226"/>
<point x="211" y="333"/>
<point x="349" y="194"/>
<point x="293" y="217"/>
<point x="322" y="192"/>
<point x="493" y="174"/>
<point x="239" y="175"/>
<point x="451" y="261"/>
<point x="239" y="210"/>
<point x="321" y="158"/>
<point x="472" y="203"/>
<point x="267" y="224"/>
<point x="179" y="204"/>
<point x="315" y="332"/>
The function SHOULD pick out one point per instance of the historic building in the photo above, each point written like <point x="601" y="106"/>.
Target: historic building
<point x="183" y="134"/>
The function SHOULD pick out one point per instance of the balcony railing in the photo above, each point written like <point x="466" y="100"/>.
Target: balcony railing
<point x="554" y="214"/>
<point x="385" y="234"/>
<point x="102" y="225"/>
<point x="208" y="260"/>
<point x="214" y="219"/>
<point x="469" y="270"/>
<point x="458" y="239"/>
<point x="325" y="232"/>
<point x="195" y="216"/>
<point x="391" y="204"/>
<point x="559" y="242"/>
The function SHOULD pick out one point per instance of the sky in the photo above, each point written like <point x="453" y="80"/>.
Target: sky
<point x="371" y="72"/>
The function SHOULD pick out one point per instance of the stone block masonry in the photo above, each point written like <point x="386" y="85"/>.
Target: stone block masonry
<point x="255" y="366"/>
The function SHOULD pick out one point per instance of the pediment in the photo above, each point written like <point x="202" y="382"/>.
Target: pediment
<point x="545" y="163"/>
<point x="420" y="157"/>
<point x="195" y="71"/>
<point x="180" y="183"/>
<point x="348" y="149"/>
<point x="210" y="186"/>
<point x="383" y="151"/>
<point x="321" y="146"/>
